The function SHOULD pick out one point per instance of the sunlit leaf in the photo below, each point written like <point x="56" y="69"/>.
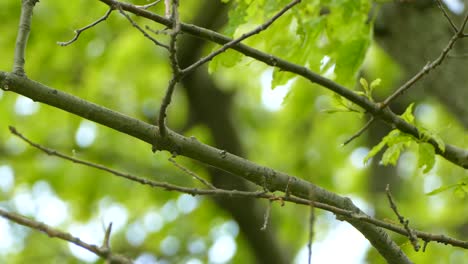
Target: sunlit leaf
<point x="392" y="154"/>
<point x="374" y="84"/>
<point x="364" y="84"/>
<point x="376" y="149"/>
<point x="442" y="189"/>
<point x="408" y="114"/>
<point x="280" y="78"/>
<point x="426" y="156"/>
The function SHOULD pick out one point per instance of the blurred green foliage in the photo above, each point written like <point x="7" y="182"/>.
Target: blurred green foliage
<point x="113" y="65"/>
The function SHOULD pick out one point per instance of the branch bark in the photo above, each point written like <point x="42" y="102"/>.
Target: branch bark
<point x="24" y="29"/>
<point x="190" y="147"/>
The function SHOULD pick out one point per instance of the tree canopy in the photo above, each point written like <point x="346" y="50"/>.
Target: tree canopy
<point x="233" y="131"/>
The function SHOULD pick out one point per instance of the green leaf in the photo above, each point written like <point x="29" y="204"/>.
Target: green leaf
<point x="396" y="136"/>
<point x="426" y="156"/>
<point x="376" y="149"/>
<point x="460" y="188"/>
<point x="408" y="114"/>
<point x="396" y="142"/>
<point x="392" y="154"/>
<point x="374" y="84"/>
<point x="434" y="136"/>
<point x="365" y="85"/>
<point x="427" y="135"/>
<point x="442" y="189"/>
<point x="338" y="100"/>
<point x="349" y="59"/>
<point x="237" y="17"/>
<point x="280" y="78"/>
<point x="227" y="59"/>
<point x="368" y="89"/>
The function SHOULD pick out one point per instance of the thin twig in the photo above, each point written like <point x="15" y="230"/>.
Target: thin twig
<point x="157" y="43"/>
<point x="257" y="194"/>
<point x="80" y="30"/>
<point x="426" y="242"/>
<point x="412" y="237"/>
<point x="429" y="66"/>
<point x="176" y="76"/>
<point x="441" y="7"/>
<point x="148" y="5"/>
<point x="165" y="104"/>
<point x="158" y="32"/>
<point x="52" y="232"/>
<point x="106" y="242"/>
<point x="359" y="133"/>
<point x="233" y="42"/>
<point x="193" y="174"/>
<point x="24" y="29"/>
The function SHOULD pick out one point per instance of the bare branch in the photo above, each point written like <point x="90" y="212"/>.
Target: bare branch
<point x="157" y="43"/>
<point x="176" y="76"/>
<point x="80" y="30"/>
<point x="233" y="42"/>
<point x="429" y="66"/>
<point x="298" y="187"/>
<point x="52" y="232"/>
<point x="441" y="7"/>
<point x="347" y="214"/>
<point x="412" y="237"/>
<point x="359" y="133"/>
<point x="24" y="29"/>
<point x="193" y="174"/>
<point x="211" y="156"/>
<point x="106" y="242"/>
<point x="149" y="5"/>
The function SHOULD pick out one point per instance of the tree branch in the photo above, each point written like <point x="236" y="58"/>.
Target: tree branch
<point x="233" y="42"/>
<point x="24" y="29"/>
<point x="103" y="252"/>
<point x="176" y="74"/>
<point x="452" y="153"/>
<point x="134" y="24"/>
<point x="213" y="191"/>
<point x="173" y="142"/>
<point x="412" y="237"/>
<point x="80" y="30"/>
<point x="431" y="65"/>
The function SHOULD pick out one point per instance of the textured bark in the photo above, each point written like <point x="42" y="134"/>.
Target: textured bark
<point x="215" y="157"/>
<point x="190" y="147"/>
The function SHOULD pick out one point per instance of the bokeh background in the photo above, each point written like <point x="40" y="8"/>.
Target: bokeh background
<point x="270" y="117"/>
